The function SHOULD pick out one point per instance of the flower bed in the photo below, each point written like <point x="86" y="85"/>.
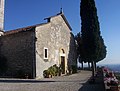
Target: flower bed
<point x="110" y="80"/>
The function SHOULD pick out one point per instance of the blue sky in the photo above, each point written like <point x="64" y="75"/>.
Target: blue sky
<point x="22" y="13"/>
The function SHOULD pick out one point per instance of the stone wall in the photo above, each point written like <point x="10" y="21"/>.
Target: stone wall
<point x="24" y="49"/>
<point x="55" y="36"/>
<point x="19" y="49"/>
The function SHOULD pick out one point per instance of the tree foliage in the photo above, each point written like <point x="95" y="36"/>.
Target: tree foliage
<point x="80" y="51"/>
<point x="92" y="41"/>
<point x="93" y="46"/>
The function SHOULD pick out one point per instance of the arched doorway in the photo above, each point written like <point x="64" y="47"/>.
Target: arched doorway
<point x="62" y="61"/>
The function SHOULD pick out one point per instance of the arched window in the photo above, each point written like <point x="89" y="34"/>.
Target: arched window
<point x="62" y="51"/>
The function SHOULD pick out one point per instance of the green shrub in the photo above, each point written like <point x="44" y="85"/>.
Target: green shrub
<point x="55" y="69"/>
<point x="46" y="73"/>
<point x="74" y="69"/>
<point x="51" y="71"/>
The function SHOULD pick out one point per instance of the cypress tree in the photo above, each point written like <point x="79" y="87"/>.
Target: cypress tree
<point x="79" y="48"/>
<point x="92" y="42"/>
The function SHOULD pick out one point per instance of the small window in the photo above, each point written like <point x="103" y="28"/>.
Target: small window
<point x="45" y="53"/>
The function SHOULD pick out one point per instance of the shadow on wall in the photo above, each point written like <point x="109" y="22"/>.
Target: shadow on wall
<point x="72" y="56"/>
<point x="3" y="62"/>
<point x="3" y="65"/>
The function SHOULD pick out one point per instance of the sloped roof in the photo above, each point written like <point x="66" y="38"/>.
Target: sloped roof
<point x="28" y="28"/>
<point x="18" y="30"/>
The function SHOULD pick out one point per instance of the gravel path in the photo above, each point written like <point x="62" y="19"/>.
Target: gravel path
<point x="65" y="83"/>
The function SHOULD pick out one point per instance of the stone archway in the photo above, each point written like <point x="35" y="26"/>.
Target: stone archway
<point x="63" y="61"/>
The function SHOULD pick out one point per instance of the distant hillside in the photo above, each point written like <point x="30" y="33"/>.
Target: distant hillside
<point x="114" y="67"/>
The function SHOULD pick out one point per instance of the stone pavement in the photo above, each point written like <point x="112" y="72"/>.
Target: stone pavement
<point x="98" y="85"/>
<point x="75" y="82"/>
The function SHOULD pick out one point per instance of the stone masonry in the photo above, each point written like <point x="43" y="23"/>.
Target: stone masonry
<point x="18" y="49"/>
<point x="56" y="36"/>
<point x="24" y="48"/>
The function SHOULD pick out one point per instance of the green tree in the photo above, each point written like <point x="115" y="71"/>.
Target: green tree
<point x="92" y="42"/>
<point x="80" y="51"/>
<point x="79" y="48"/>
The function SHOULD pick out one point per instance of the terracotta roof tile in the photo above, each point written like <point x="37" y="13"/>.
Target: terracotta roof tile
<point x="18" y="30"/>
<point x="22" y="29"/>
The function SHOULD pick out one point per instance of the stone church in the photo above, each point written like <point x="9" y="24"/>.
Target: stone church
<point x="34" y="49"/>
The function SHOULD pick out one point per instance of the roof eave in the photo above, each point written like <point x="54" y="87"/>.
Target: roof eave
<point x="63" y="16"/>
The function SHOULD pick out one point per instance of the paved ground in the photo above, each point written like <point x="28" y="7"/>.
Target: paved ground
<point x="98" y="85"/>
<point x="75" y="82"/>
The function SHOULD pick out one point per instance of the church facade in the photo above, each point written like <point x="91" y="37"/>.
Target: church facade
<point x="33" y="49"/>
